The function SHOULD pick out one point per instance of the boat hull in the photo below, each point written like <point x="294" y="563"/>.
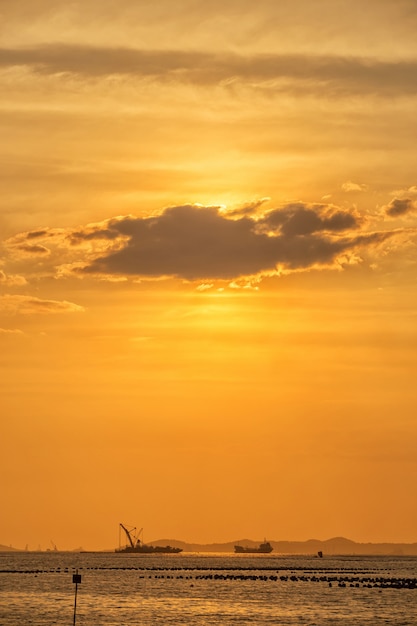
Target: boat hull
<point x="264" y="548"/>
<point x="142" y="549"/>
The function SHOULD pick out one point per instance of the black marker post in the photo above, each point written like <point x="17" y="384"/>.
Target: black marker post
<point x="76" y="578"/>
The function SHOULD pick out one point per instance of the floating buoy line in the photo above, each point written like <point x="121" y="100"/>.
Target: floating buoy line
<point x="333" y="577"/>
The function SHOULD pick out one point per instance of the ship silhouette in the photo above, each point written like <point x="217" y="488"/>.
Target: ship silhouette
<point x="263" y="548"/>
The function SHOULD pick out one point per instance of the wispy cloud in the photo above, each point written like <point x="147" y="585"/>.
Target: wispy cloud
<point x="29" y="304"/>
<point x="333" y="74"/>
<point x="351" y="186"/>
<point x="11" y="280"/>
<point x="10" y="331"/>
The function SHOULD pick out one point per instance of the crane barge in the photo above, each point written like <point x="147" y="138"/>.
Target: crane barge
<point x="135" y="544"/>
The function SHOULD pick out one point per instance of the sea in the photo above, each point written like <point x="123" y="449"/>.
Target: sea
<point x="191" y="589"/>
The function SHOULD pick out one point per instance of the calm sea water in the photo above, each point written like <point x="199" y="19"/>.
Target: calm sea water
<point x="203" y="590"/>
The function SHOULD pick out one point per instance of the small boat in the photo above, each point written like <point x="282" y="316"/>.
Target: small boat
<point x="136" y="545"/>
<point x="263" y="548"/>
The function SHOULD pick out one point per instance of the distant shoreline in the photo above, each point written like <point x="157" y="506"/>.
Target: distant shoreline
<point x="336" y="546"/>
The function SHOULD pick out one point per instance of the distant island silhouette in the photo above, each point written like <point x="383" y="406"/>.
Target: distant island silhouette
<point x="334" y="546"/>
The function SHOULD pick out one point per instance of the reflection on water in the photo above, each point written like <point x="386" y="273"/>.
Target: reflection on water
<point x="200" y="590"/>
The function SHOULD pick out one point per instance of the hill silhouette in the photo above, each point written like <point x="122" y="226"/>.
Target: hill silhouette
<point x="334" y="546"/>
<point x="8" y="549"/>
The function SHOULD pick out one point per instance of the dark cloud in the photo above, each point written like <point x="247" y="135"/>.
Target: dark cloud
<point x="249" y="208"/>
<point x="400" y="206"/>
<point x="329" y="74"/>
<point x="301" y="219"/>
<point x="80" y="236"/>
<point x="196" y="243"/>
<point x="37" y="249"/>
<point x="37" y="234"/>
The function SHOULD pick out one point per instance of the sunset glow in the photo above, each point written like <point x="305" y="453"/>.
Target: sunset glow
<point x="207" y="270"/>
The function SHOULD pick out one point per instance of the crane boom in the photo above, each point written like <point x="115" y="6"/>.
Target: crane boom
<point x="128" y="535"/>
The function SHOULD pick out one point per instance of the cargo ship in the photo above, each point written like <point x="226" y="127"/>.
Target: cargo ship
<point x="136" y="545"/>
<point x="263" y="548"/>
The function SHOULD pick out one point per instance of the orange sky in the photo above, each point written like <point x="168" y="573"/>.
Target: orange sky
<point x="207" y="271"/>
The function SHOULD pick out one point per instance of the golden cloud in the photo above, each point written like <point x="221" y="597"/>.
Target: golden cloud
<point x="27" y="305"/>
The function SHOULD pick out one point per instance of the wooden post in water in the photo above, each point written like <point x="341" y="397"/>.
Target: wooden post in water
<point x="76" y="578"/>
